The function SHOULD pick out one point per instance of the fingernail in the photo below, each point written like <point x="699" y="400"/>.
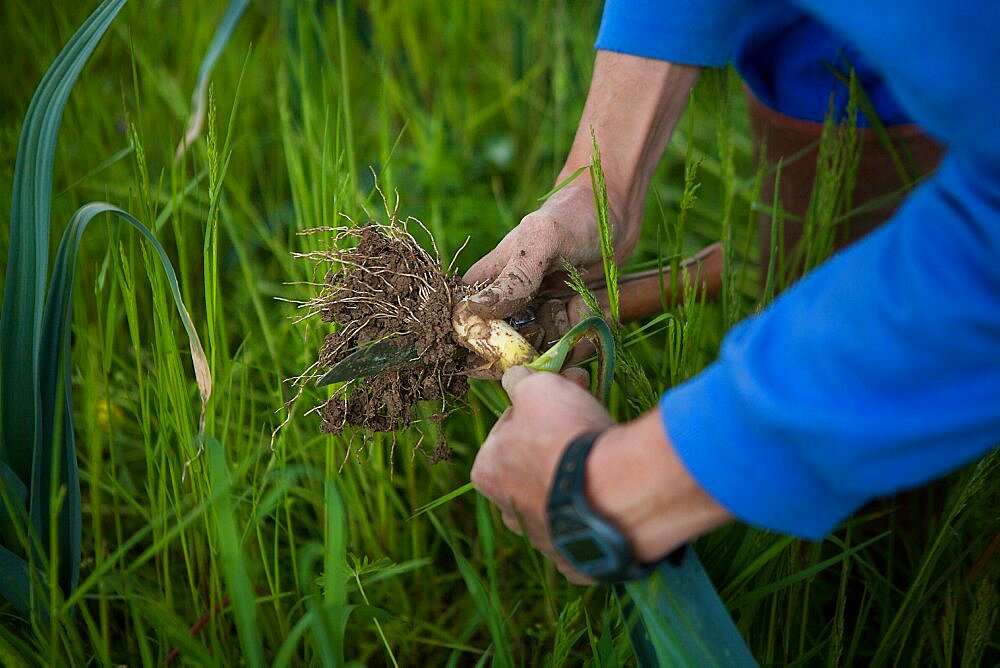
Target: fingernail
<point x="483" y="298"/>
<point x="513" y="377"/>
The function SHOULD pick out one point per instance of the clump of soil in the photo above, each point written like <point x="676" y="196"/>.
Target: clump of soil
<point x="387" y="286"/>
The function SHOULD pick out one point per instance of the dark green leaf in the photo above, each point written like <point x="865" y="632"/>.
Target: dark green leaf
<point x="13" y="502"/>
<point x="25" y="442"/>
<point x="14" y="581"/>
<point x="24" y="290"/>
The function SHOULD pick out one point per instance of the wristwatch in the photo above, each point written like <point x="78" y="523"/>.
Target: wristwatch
<point x="591" y="544"/>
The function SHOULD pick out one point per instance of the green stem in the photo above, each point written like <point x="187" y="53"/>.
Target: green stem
<point x="552" y="360"/>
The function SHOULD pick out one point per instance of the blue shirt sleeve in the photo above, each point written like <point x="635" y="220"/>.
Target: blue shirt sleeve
<point x="877" y="372"/>
<point x="939" y="60"/>
<point x="692" y="32"/>
<point x="881" y="369"/>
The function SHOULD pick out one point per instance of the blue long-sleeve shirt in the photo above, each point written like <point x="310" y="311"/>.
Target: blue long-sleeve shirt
<point x="880" y="370"/>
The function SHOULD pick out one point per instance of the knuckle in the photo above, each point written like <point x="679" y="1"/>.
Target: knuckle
<point x="529" y="387"/>
<point x="481" y="476"/>
<point x="544" y="384"/>
<point x="521" y="273"/>
<point x="542" y="229"/>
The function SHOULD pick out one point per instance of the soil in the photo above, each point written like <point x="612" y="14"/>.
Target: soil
<point x="388" y="286"/>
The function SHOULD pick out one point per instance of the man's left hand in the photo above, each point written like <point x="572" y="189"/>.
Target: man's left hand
<point x="633" y="475"/>
<point x="516" y="464"/>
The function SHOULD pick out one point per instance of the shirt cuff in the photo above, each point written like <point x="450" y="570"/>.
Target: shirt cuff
<point x="758" y="478"/>
<point x="684" y="31"/>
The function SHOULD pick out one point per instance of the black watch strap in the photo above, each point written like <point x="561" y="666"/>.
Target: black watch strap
<point x="583" y="536"/>
<point x="571" y="469"/>
<point x="572" y="521"/>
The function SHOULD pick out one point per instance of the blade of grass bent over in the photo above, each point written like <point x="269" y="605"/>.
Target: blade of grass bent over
<point x="597" y="329"/>
<point x="219" y="40"/>
<point x="55" y="359"/>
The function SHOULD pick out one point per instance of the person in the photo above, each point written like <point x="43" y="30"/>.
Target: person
<point x="877" y="372"/>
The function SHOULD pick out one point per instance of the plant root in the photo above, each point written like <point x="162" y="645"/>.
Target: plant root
<point x="381" y="283"/>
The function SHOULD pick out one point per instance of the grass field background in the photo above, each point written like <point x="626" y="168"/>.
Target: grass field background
<point x="239" y="546"/>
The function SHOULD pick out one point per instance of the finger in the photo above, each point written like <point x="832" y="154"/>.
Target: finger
<point x="575" y="577"/>
<point x="582" y="351"/>
<point x="485" y="468"/>
<point x="515" y="284"/>
<point x="513" y="377"/>
<point x="511" y="523"/>
<point x="570" y="573"/>
<point x="523" y="525"/>
<point x="504" y="417"/>
<point x="551" y="316"/>
<point x="578" y="376"/>
<point x="487" y="267"/>
<point x="576" y="310"/>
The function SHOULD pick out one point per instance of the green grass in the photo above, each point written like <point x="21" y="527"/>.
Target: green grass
<point x="303" y="548"/>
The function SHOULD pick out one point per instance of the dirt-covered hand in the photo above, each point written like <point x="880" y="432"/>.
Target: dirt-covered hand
<point x="516" y="464"/>
<point x="634" y="477"/>
<point x="564" y="227"/>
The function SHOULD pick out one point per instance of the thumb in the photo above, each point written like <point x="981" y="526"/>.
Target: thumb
<point x="578" y="376"/>
<point x="514" y="286"/>
<point x="513" y="377"/>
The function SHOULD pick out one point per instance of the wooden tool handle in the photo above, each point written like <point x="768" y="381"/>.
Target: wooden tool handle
<point x="640" y="296"/>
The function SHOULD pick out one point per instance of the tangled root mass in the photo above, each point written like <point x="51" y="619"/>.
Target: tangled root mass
<point x="388" y="286"/>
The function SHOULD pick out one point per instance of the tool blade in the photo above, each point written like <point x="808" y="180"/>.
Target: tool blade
<point x="370" y="360"/>
<point x="677" y="618"/>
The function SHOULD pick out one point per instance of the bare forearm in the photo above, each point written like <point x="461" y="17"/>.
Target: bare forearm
<point x="636" y="480"/>
<point x="633" y="106"/>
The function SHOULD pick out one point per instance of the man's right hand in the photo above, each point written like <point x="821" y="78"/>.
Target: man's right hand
<point x="632" y="108"/>
<point x="565" y="227"/>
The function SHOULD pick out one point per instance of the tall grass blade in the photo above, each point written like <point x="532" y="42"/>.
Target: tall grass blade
<point x="215" y="48"/>
<point x="576" y="283"/>
<point x="10" y="656"/>
<point x="443" y="499"/>
<point x="233" y="564"/>
<point x="485" y="601"/>
<point x="13" y="502"/>
<point x="776" y="225"/>
<point x="565" y="182"/>
<point x="334" y="569"/>
<point x="982" y="622"/>
<point x="908" y="609"/>
<point x="908" y="171"/>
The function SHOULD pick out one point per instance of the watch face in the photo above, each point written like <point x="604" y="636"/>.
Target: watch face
<point x="583" y="550"/>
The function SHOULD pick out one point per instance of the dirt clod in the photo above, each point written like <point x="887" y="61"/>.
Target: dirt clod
<point x="442" y="453"/>
<point x="388" y="287"/>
